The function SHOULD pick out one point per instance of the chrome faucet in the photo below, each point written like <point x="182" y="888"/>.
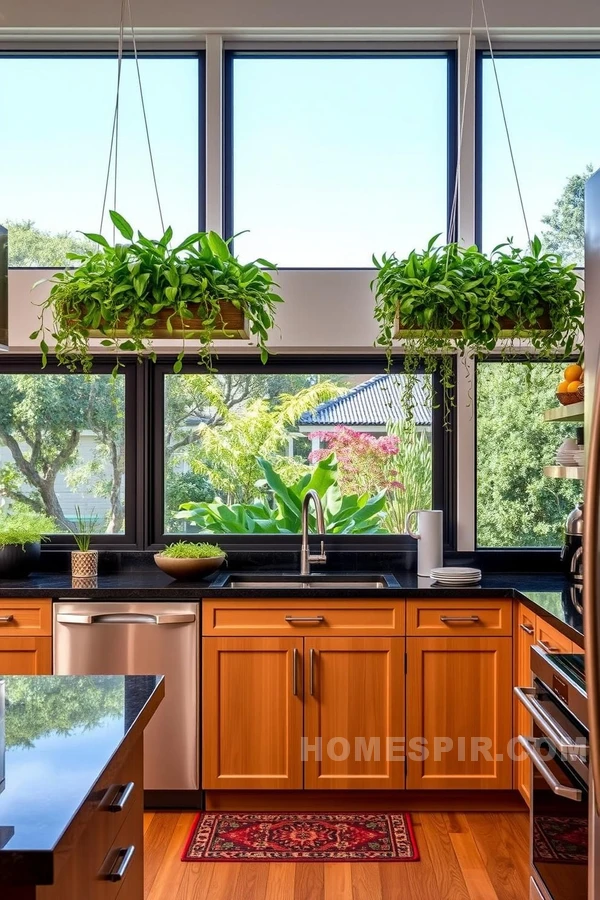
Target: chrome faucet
<point x="306" y="557"/>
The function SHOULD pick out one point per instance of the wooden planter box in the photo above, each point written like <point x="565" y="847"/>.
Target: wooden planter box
<point x="507" y="327"/>
<point x="231" y="325"/>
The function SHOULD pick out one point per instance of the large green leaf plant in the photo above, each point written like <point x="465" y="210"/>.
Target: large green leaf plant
<point x="280" y="512"/>
<point x="131" y="283"/>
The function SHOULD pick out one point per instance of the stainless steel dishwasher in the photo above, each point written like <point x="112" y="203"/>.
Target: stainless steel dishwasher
<point x="142" y="638"/>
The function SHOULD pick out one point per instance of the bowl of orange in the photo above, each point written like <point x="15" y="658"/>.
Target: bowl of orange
<point x="570" y="390"/>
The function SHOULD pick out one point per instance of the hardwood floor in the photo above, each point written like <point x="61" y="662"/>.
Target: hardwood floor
<point x="464" y="856"/>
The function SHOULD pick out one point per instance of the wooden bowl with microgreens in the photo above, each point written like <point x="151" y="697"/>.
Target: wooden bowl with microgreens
<point x="186" y="560"/>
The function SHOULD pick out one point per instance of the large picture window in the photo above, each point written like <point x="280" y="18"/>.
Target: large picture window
<point x="57" y="114"/>
<point x="240" y="448"/>
<point x="517" y="505"/>
<point x="67" y="448"/>
<point x="331" y="159"/>
<point x="553" y="162"/>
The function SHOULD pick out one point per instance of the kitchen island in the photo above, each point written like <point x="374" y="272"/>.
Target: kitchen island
<point x="71" y="803"/>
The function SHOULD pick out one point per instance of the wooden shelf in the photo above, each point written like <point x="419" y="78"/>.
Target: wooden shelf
<point x="564" y="472"/>
<point x="572" y="413"/>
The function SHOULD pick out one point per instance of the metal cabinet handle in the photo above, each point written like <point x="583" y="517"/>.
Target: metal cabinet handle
<point x="318" y="619"/>
<point x="563" y="743"/>
<point x="295" y="672"/>
<point x="311" y="654"/>
<point x="530" y="745"/>
<point x="124" y="857"/>
<point x="6" y="619"/>
<point x="548" y="647"/>
<point x="445" y="619"/>
<point x="528" y="629"/>
<point x="123" y="794"/>
<point x="125" y="619"/>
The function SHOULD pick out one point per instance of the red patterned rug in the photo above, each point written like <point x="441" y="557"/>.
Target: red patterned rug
<point x="306" y="837"/>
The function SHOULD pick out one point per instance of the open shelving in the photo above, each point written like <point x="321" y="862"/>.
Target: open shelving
<point x="572" y="413"/>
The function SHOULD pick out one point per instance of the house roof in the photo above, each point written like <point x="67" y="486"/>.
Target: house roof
<point x="374" y="402"/>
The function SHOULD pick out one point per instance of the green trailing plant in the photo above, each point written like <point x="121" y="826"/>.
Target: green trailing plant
<point x="18" y="528"/>
<point x="280" y="512"/>
<point x="130" y="285"/>
<point x="85" y="528"/>
<point x="189" y="550"/>
<point x="452" y="300"/>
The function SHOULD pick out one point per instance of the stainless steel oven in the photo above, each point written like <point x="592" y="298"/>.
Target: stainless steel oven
<point x="558" y="749"/>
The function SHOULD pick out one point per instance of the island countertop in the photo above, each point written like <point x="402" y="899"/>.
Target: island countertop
<point x="61" y="734"/>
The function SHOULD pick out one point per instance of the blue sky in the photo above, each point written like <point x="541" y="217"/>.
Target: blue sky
<point x="334" y="159"/>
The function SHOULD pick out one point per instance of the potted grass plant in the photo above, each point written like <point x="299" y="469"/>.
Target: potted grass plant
<point x="84" y="560"/>
<point x="137" y="291"/>
<point x="21" y="534"/>
<point x="450" y="300"/>
<point x="185" y="560"/>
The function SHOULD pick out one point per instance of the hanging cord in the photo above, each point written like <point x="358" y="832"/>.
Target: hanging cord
<point x="454" y="209"/>
<point x="139" y="77"/>
<point x="114" y="139"/>
<point x="512" y="156"/>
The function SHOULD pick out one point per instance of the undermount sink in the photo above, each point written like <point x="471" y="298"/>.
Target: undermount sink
<point x="292" y="582"/>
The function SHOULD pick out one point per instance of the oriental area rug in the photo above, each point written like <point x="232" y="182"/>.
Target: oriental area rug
<point x="301" y="837"/>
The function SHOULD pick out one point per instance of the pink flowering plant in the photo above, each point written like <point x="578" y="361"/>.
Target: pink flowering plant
<point x="363" y="459"/>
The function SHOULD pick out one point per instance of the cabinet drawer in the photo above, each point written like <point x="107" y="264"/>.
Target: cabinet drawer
<point x="469" y="618"/>
<point x="127" y="855"/>
<point x="280" y="618"/>
<point x="25" y="618"/>
<point x="550" y="639"/>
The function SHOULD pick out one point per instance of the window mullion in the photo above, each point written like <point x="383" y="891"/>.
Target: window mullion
<point x="214" y="132"/>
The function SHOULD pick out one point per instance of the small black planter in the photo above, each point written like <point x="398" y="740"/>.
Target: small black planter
<point x="18" y="561"/>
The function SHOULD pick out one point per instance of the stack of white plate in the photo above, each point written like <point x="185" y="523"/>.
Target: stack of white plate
<point x="456" y="575"/>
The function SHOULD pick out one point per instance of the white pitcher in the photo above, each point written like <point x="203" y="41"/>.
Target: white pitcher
<point x="430" y="535"/>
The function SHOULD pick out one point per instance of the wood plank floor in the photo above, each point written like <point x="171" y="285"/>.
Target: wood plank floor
<point x="464" y="856"/>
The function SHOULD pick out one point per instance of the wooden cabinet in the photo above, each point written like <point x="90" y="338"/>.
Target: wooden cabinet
<point x="454" y="618"/>
<point x="25" y="637"/>
<point x="550" y="638"/>
<point x="459" y="711"/>
<point x="354" y="713"/>
<point x="377" y="616"/>
<point x="25" y="656"/>
<point x="524" y="638"/>
<point x="252" y="713"/>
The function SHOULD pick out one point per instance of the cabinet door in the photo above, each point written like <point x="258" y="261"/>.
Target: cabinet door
<point x="252" y="713"/>
<point x="354" y="713"/>
<point x="524" y="637"/>
<point x="459" y="713"/>
<point x="25" y="656"/>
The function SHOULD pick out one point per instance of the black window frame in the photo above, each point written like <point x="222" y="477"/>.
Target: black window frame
<point x="229" y="57"/>
<point x="135" y="445"/>
<point x="198" y="54"/>
<point x="443" y="444"/>
<point x="480" y="55"/>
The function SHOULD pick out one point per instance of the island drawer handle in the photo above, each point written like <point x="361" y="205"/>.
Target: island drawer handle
<point x="318" y="619"/>
<point x="125" y="855"/>
<point x="528" y="629"/>
<point x="6" y="619"/>
<point x="124" y="792"/>
<point x="445" y="619"/>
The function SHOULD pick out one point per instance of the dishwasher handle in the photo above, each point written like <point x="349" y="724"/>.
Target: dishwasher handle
<point x="125" y="618"/>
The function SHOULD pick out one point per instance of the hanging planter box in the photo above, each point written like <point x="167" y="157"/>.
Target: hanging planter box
<point x="230" y="326"/>
<point x="507" y="328"/>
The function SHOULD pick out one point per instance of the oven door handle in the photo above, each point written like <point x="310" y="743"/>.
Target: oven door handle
<point x="563" y="743"/>
<point x="530" y="745"/>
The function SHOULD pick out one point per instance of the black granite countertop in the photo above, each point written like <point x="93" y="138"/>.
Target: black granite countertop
<point x="548" y="595"/>
<point x="61" y="732"/>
